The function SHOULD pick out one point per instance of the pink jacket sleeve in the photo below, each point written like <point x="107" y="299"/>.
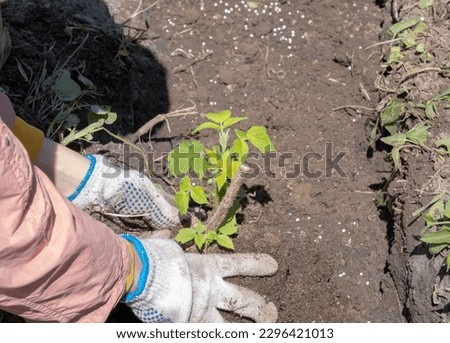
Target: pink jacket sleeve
<point x="56" y="262"/>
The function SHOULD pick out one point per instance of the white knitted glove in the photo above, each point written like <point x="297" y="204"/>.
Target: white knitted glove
<point x="211" y="292"/>
<point x="178" y="287"/>
<point x="108" y="186"/>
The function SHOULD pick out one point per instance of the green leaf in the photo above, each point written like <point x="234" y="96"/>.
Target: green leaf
<point x="392" y="128"/>
<point x="395" y="153"/>
<point x="418" y="134"/>
<point x="436" y="211"/>
<point x="111" y="118"/>
<point x="421" y="27"/>
<point x="104" y="112"/>
<point x="219" y="117"/>
<point x="221" y="179"/>
<point x="425" y="4"/>
<point x="224" y="136"/>
<point x="393" y="111"/>
<point x="225" y="241"/>
<point x="211" y="236"/>
<point x="428" y="218"/>
<point x="240" y="147"/>
<point x="426" y="56"/>
<point x="233" y="169"/>
<point x="200" y="228"/>
<point x="448" y="262"/>
<point x="396" y="56"/>
<point x="403" y="25"/>
<point x="182" y="201"/>
<point x="225" y="160"/>
<point x="231" y="121"/>
<point x="199" y="167"/>
<point x="222" y="165"/>
<point x="439" y="237"/>
<point x="446" y="213"/>
<point x="212" y="157"/>
<point x="434" y="200"/>
<point x="196" y="157"/>
<point x="65" y="88"/>
<point x="420" y="48"/>
<point x="241" y="134"/>
<point x="71" y="121"/>
<point x="444" y="142"/>
<point x="99" y="110"/>
<point x="258" y="136"/>
<point x="177" y="166"/>
<point x="230" y="228"/>
<point x="207" y="125"/>
<point x="409" y="41"/>
<point x="101" y="115"/>
<point x="200" y="240"/>
<point x="436" y="248"/>
<point x="185" y="235"/>
<point x="430" y="109"/>
<point x="198" y="195"/>
<point x="442" y="96"/>
<point x="395" y="140"/>
<point x="373" y="133"/>
<point x="182" y="157"/>
<point x="185" y="184"/>
<point x="196" y="148"/>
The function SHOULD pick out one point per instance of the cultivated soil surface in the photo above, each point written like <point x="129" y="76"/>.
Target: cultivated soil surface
<point x="300" y="68"/>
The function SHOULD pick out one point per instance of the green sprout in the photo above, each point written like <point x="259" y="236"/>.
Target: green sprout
<point x="211" y="177"/>
<point x="436" y="232"/>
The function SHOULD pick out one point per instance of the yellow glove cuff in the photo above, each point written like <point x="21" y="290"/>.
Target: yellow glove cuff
<point x="130" y="277"/>
<point x="31" y="137"/>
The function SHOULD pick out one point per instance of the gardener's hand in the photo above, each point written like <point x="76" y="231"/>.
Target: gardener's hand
<point x="178" y="287"/>
<point x="124" y="192"/>
<point x="211" y="292"/>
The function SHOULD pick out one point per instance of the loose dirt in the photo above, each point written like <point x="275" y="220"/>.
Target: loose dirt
<point x="300" y="68"/>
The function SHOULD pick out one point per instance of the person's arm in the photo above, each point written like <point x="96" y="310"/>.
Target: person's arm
<point x="65" y="167"/>
<point x="56" y="262"/>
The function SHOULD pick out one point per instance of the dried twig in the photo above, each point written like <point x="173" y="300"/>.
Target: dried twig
<point x="139" y="11"/>
<point x="394" y="10"/>
<point x="364" y="92"/>
<point x="221" y="212"/>
<point x="382" y="43"/>
<point x="355" y="107"/>
<point x="419" y="71"/>
<point x="200" y="57"/>
<point x="147" y="127"/>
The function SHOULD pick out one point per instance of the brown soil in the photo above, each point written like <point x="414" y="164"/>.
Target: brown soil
<point x="301" y="69"/>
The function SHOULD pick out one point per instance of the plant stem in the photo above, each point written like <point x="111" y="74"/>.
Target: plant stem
<point x="221" y="212"/>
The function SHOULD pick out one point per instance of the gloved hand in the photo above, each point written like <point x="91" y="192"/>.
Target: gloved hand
<point x="110" y="187"/>
<point x="179" y="287"/>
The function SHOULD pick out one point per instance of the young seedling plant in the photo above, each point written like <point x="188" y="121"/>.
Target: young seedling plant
<point x="436" y="232"/>
<point x="211" y="177"/>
